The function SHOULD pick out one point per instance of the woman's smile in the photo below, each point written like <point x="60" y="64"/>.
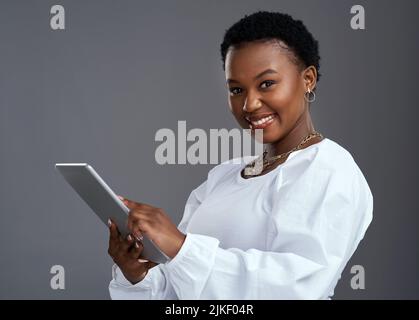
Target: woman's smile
<point x="261" y="121"/>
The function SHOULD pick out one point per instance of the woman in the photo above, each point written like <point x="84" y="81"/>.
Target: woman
<point x="285" y="232"/>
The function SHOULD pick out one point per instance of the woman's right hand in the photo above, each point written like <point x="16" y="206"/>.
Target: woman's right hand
<point x="126" y="254"/>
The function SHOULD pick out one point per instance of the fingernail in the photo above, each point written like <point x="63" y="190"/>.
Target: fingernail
<point x="137" y="245"/>
<point x="129" y="237"/>
<point x="139" y="238"/>
<point x="142" y="260"/>
<point x="109" y="222"/>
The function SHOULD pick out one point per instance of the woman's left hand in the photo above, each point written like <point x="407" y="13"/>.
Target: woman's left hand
<point x="156" y="225"/>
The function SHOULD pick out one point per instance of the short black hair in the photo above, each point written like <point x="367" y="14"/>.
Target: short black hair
<point x="264" y="25"/>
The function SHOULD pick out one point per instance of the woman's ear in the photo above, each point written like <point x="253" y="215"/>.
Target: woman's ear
<point x="310" y="78"/>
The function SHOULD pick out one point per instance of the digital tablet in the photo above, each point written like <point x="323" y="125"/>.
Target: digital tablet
<point x="104" y="202"/>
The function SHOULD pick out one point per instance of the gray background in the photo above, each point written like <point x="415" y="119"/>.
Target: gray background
<point x="98" y="91"/>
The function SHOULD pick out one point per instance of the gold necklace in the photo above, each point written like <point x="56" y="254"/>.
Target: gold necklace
<point x="253" y="168"/>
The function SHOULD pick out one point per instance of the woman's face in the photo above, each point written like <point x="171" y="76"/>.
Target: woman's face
<point x="263" y="80"/>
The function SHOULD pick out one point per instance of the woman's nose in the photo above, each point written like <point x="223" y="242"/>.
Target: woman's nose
<point x="251" y="105"/>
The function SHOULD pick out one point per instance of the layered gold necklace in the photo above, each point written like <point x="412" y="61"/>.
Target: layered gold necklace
<point x="254" y="168"/>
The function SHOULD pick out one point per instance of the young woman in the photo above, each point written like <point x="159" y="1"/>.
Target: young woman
<point x="286" y="232"/>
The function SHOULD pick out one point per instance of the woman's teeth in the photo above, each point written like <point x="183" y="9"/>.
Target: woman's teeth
<point x="262" y="121"/>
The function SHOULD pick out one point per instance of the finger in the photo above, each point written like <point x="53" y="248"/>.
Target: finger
<point x="133" y="225"/>
<point x="136" y="229"/>
<point x="126" y="244"/>
<point x="142" y="214"/>
<point x="129" y="203"/>
<point x="130" y="220"/>
<point x="113" y="229"/>
<point x="141" y="221"/>
<point x="133" y="204"/>
<point x="136" y="250"/>
<point x="112" y="248"/>
<point x="137" y="233"/>
<point x="114" y="243"/>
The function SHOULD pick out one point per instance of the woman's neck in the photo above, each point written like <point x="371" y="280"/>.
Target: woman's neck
<point x="303" y="127"/>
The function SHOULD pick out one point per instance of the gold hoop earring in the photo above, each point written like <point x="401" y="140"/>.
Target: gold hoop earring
<point x="310" y="96"/>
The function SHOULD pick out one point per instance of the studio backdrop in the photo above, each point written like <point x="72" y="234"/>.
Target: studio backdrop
<point x="95" y="81"/>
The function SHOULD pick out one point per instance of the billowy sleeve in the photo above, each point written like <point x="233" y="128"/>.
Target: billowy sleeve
<point x="155" y="285"/>
<point x="316" y="224"/>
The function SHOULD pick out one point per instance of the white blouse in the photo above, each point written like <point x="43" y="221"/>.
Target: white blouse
<point x="287" y="234"/>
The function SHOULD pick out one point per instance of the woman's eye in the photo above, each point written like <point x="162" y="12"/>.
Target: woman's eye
<point x="235" y="90"/>
<point x="266" y="84"/>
